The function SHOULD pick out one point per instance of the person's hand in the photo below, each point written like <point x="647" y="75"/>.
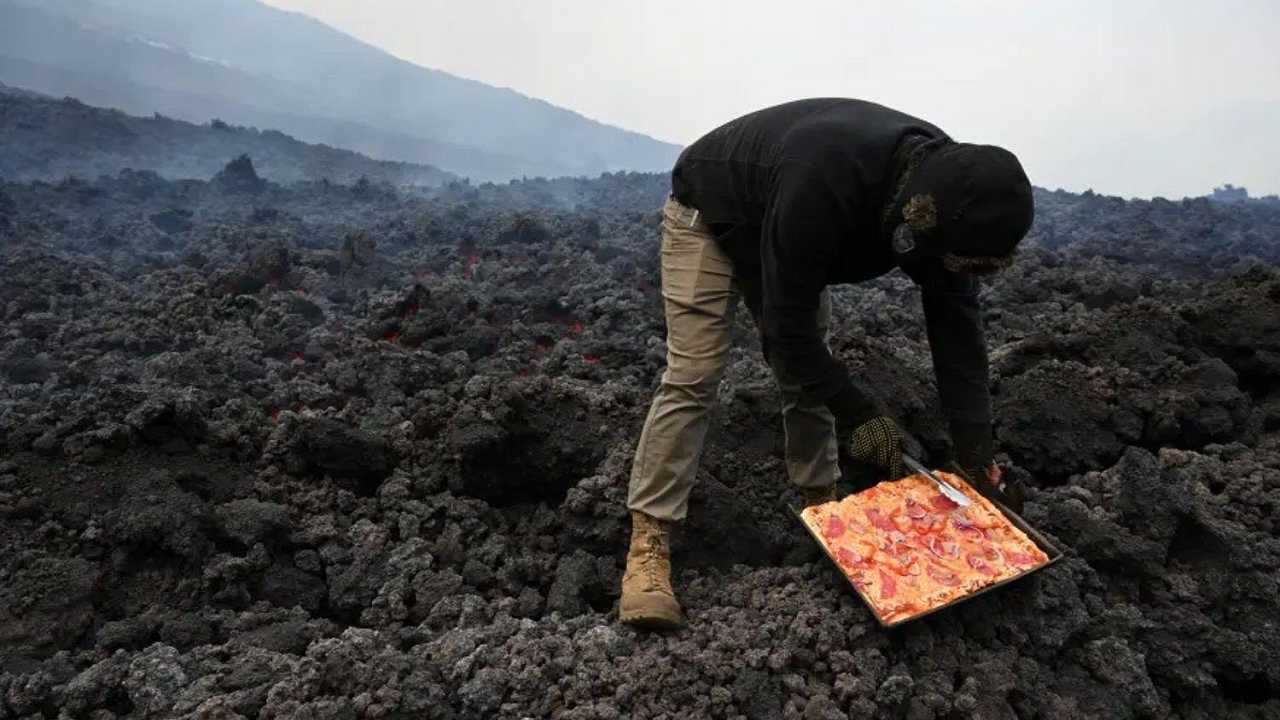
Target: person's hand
<point x="879" y="442"/>
<point x="973" y="444"/>
<point x="991" y="482"/>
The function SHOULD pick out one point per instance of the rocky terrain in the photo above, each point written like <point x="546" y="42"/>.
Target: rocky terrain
<point x="338" y="450"/>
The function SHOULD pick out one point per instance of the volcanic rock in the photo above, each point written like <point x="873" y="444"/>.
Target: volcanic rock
<point x="367" y="454"/>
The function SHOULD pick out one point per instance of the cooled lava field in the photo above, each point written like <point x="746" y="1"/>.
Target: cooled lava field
<point x="350" y="451"/>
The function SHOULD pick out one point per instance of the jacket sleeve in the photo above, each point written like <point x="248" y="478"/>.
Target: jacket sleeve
<point x="953" y="318"/>
<point x="804" y="223"/>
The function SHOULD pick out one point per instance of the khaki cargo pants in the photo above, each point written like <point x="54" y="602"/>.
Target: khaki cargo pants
<point x="700" y="296"/>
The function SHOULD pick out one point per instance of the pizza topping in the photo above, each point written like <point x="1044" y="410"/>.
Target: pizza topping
<point x="860" y="580"/>
<point x="902" y="524"/>
<point x="943" y="547"/>
<point x="926" y="526"/>
<point x="952" y="549"/>
<point x="935" y="547"/>
<point x="888" y="586"/>
<point x="901" y="549"/>
<point x="977" y="563"/>
<point x="1020" y="559"/>
<point x="904" y="609"/>
<point x="835" y="527"/>
<point x="849" y="556"/>
<point x="909" y="566"/>
<point x="942" y="503"/>
<point x="866" y="549"/>
<point x="915" y="510"/>
<point x="878" y="519"/>
<point x="942" y="575"/>
<point x="964" y="524"/>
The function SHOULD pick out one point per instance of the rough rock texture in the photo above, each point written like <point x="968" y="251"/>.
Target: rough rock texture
<point x="327" y="451"/>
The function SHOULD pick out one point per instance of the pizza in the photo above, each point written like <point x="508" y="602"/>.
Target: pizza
<point x="909" y="549"/>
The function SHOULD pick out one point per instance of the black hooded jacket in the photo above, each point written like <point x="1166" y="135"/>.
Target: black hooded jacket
<point x="797" y="195"/>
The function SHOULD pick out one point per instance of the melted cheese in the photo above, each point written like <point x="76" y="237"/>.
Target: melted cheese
<point x="909" y="549"/>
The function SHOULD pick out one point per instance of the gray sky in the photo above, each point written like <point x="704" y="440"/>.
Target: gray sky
<point x="1128" y="97"/>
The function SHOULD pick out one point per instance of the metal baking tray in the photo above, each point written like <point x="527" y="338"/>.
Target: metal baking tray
<point x="1052" y="551"/>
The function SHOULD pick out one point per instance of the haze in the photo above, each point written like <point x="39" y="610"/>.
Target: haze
<point x="1137" y="99"/>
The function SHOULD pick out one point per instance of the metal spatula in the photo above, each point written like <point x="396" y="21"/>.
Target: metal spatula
<point x="944" y="487"/>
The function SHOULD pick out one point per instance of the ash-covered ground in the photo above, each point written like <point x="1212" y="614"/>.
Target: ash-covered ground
<point x="327" y="451"/>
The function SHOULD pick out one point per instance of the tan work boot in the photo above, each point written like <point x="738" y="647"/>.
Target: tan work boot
<point x="647" y="598"/>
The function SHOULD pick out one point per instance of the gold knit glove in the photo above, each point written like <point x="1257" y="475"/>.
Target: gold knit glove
<point x="879" y="442"/>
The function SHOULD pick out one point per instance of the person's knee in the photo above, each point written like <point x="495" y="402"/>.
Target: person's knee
<point x="795" y="399"/>
<point x="698" y="379"/>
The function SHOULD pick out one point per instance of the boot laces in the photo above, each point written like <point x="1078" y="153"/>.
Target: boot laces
<point x="652" y="559"/>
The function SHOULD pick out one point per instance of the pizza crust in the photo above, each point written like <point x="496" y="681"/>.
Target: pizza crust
<point x="909" y="549"/>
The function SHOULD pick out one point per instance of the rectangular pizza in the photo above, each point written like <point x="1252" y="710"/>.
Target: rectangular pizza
<point x="909" y="549"/>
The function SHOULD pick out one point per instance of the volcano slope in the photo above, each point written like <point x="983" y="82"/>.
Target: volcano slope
<point x="326" y="451"/>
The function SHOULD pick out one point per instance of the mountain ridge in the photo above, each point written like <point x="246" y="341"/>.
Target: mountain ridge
<point x="287" y="64"/>
<point x="44" y="138"/>
<point x="142" y="101"/>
